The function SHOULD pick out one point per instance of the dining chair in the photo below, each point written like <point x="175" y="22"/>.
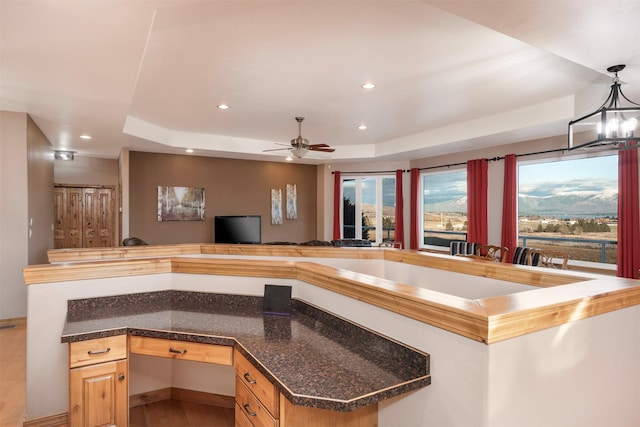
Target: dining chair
<point x="462" y="248"/>
<point x="493" y="252"/>
<point x="549" y="259"/>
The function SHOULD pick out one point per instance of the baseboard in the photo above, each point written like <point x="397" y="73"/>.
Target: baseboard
<point x="13" y="321"/>
<point x="49" y="421"/>
<point x="200" y="397"/>
<point x="149" y="397"/>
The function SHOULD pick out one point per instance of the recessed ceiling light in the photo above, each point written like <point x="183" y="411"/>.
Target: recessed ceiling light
<point x="289" y="158"/>
<point x="223" y="107"/>
<point x="362" y="127"/>
<point x="189" y="150"/>
<point x="85" y="136"/>
<point x="368" y="85"/>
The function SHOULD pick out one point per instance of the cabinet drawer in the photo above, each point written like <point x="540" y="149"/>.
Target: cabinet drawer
<point x="182" y="350"/>
<point x="262" y="388"/>
<point x="241" y="418"/>
<point x="83" y="353"/>
<point x="249" y="405"/>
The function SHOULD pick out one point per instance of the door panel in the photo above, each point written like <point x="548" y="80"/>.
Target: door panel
<point x="84" y="217"/>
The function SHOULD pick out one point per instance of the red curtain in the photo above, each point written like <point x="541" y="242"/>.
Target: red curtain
<point x="399" y="209"/>
<point x="509" y="237"/>
<point x="337" y="202"/>
<point x="477" y="182"/>
<point x="415" y="212"/>
<point x="628" y="214"/>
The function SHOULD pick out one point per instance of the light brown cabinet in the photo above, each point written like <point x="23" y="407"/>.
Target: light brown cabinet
<point x="99" y="383"/>
<point x="99" y="386"/>
<point x="257" y="400"/>
<point x="258" y="404"/>
<point x="182" y="350"/>
<point x="83" y="217"/>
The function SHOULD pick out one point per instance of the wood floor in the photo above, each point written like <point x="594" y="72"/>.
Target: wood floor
<point x="167" y="413"/>
<point x="175" y="413"/>
<point x="13" y="368"/>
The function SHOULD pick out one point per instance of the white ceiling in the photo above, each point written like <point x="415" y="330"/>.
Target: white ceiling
<point x="450" y="75"/>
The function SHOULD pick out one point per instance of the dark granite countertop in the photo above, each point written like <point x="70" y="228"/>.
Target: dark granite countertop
<point x="314" y="358"/>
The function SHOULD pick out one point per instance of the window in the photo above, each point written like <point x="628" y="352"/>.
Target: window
<point x="570" y="206"/>
<point x="444" y="207"/>
<point x="368" y="210"/>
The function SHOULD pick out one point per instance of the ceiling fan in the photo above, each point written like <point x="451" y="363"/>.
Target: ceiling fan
<point x="300" y="146"/>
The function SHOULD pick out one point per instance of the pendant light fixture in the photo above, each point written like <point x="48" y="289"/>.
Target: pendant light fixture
<point x="611" y="124"/>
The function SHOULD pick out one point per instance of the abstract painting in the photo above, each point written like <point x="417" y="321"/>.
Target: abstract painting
<point x="292" y="202"/>
<point x="276" y="207"/>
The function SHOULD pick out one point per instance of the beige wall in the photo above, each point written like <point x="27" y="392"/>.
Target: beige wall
<point x="13" y="214"/>
<point x="232" y="187"/>
<point x="26" y="206"/>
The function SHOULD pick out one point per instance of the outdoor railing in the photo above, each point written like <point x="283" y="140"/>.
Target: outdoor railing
<point x="452" y="236"/>
<point x="602" y="243"/>
<point x="462" y="235"/>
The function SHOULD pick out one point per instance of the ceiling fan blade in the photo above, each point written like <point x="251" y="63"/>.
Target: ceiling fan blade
<point x="276" y="149"/>
<point x="324" y="150"/>
<point x="319" y="145"/>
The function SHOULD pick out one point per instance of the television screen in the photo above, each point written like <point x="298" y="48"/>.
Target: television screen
<point x="237" y="229"/>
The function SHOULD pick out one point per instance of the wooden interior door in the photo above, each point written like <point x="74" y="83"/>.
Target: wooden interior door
<point x="84" y="217"/>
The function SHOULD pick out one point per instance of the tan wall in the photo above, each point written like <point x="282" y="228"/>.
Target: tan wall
<point x="86" y="171"/>
<point x="232" y="187"/>
<point x="40" y="179"/>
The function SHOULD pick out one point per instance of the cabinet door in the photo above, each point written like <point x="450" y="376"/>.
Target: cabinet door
<point x="98" y="395"/>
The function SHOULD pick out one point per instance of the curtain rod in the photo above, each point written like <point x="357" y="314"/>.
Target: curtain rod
<point x="369" y="172"/>
<point x="493" y="159"/>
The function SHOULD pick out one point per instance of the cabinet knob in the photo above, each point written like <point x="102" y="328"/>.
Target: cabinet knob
<point x="121" y="377"/>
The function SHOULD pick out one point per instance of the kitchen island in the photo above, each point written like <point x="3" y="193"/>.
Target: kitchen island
<point x="498" y="336"/>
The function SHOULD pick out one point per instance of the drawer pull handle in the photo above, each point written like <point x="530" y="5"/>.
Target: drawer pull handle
<point x="173" y="350"/>
<point x="96" y="352"/>
<point x="249" y="379"/>
<point x="246" y="409"/>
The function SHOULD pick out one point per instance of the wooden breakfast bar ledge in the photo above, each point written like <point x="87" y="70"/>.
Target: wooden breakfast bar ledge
<point x="499" y="336"/>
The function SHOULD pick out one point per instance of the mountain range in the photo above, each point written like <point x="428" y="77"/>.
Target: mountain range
<point x="566" y="204"/>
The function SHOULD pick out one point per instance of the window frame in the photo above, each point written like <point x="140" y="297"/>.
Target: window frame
<point x="563" y="158"/>
<point x="421" y="213"/>
<point x="358" y="178"/>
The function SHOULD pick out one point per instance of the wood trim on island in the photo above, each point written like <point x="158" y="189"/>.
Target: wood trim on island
<point x="562" y="297"/>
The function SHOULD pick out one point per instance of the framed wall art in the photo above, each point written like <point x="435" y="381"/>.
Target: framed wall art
<point x="180" y="203"/>
<point x="276" y="206"/>
<point x="292" y="202"/>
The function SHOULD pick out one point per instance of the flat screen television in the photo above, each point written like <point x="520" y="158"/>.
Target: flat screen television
<point x="237" y="229"/>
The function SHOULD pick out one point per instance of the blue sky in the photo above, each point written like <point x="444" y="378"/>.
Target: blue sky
<point x="593" y="175"/>
<point x="586" y="176"/>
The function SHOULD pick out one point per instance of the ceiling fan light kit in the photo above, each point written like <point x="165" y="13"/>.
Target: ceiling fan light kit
<point x="611" y="124"/>
<point x="300" y="146"/>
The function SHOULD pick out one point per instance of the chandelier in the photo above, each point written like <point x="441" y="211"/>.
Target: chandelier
<point x="611" y="124"/>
